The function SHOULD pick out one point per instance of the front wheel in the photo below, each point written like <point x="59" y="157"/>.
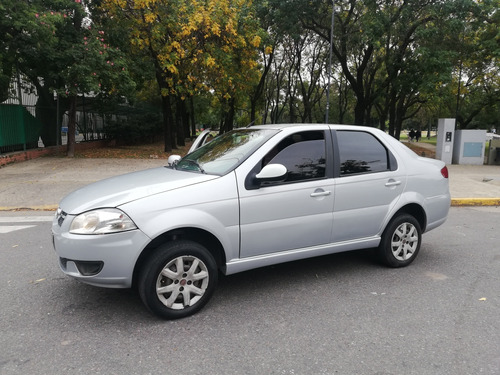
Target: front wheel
<point x="178" y="279"/>
<point x="400" y="241"/>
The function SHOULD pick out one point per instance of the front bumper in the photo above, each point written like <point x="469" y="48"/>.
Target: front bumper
<point x="106" y="260"/>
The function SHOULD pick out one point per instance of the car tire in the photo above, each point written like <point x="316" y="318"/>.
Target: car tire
<point x="400" y="241"/>
<point x="178" y="279"/>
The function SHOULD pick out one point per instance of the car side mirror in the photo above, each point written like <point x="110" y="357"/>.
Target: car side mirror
<point x="173" y="160"/>
<point x="272" y="172"/>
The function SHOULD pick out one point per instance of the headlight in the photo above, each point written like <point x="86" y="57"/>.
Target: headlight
<point x="102" y="221"/>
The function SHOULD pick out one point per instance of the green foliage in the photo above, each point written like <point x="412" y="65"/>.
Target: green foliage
<point x="138" y="126"/>
<point x="13" y="15"/>
<point x="393" y="61"/>
<point x="399" y="56"/>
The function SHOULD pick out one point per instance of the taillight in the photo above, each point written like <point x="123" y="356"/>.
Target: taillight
<point x="444" y="172"/>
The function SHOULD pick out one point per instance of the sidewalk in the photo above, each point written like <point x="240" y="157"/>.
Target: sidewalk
<point x="39" y="184"/>
<point x="472" y="185"/>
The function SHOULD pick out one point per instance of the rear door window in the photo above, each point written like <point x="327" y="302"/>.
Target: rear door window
<point x="361" y="152"/>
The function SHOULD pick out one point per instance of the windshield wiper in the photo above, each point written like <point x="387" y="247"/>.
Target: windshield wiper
<point x="196" y="164"/>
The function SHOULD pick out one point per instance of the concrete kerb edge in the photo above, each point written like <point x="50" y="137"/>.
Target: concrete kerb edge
<point x="47" y="207"/>
<point x="463" y="202"/>
<point x="20" y="156"/>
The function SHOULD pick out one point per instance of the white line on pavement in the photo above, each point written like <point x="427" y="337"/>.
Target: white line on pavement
<point x="13" y="228"/>
<point x="25" y="219"/>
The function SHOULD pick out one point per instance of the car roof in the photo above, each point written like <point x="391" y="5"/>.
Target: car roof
<point x="380" y="133"/>
<point x="317" y="125"/>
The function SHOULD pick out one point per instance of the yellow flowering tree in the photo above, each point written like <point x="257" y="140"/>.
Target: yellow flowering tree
<point x="195" y="46"/>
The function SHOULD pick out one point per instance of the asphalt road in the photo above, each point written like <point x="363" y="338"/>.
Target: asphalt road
<point x="339" y="314"/>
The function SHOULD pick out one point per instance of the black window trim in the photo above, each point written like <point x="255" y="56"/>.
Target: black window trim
<point x="391" y="159"/>
<point x="252" y="184"/>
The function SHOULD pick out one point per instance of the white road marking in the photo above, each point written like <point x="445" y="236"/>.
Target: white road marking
<point x="25" y="219"/>
<point x="21" y="219"/>
<point x="13" y="228"/>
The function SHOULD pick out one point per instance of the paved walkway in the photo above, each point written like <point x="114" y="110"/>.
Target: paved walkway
<point x="472" y="184"/>
<point x="39" y="184"/>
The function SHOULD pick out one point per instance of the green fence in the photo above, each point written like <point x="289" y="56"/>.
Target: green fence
<point x="19" y="130"/>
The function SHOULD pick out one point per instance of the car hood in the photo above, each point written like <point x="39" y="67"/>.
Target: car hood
<point x="115" y="191"/>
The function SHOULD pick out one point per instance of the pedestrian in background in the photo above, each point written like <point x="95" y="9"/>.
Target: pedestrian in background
<point x="412" y="135"/>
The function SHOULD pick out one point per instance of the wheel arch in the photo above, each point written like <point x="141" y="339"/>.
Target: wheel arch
<point x="200" y="236"/>
<point x="415" y="210"/>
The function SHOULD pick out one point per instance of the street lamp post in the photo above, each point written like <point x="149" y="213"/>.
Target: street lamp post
<point x="330" y="64"/>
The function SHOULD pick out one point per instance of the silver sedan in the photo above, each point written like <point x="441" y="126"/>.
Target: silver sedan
<point x="249" y="198"/>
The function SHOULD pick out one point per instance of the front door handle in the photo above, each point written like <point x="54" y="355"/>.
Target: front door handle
<point x="320" y="193"/>
<point x="392" y="182"/>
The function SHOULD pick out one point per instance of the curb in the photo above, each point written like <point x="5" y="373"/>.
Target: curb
<point x="47" y="207"/>
<point x="19" y="156"/>
<point x="463" y="202"/>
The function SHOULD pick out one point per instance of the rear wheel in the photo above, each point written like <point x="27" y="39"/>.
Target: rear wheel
<point x="178" y="279"/>
<point x="401" y="241"/>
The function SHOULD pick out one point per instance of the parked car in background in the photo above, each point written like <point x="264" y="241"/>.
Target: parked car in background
<point x="249" y="198"/>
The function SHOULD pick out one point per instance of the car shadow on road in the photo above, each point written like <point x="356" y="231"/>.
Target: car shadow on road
<point x="102" y="306"/>
<point x="284" y="277"/>
<point x="259" y="290"/>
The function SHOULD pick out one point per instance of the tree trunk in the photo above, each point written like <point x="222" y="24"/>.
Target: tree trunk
<point x="168" y="121"/>
<point x="400" y="111"/>
<point x="46" y="112"/>
<point x="259" y="89"/>
<point x="185" y="121"/>
<point x="291" y="109"/>
<point x="71" y="128"/>
<point x="359" y="112"/>
<point x="179" y="121"/>
<point x="193" y="122"/>
<point x="392" y="112"/>
<point x="229" y="116"/>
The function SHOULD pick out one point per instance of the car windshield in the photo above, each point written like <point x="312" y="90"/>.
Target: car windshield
<point x="225" y="152"/>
